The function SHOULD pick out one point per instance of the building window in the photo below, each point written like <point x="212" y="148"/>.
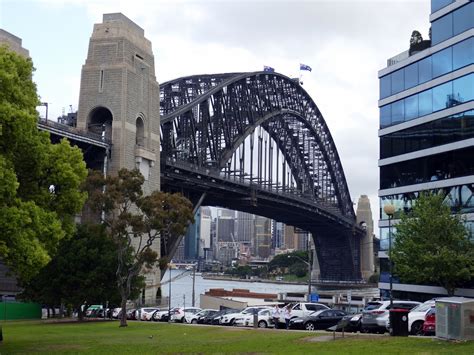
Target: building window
<point x="435" y="167"/>
<point x="438" y="98"/>
<point x="440" y="63"/>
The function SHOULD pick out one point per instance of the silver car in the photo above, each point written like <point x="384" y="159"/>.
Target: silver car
<point x="376" y="314"/>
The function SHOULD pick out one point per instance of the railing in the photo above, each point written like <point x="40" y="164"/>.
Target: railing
<point x="398" y="58"/>
<point x="74" y="130"/>
<point x="296" y="195"/>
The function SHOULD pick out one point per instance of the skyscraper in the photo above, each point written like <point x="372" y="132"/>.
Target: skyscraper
<point x="244" y="224"/>
<point x="426" y="126"/>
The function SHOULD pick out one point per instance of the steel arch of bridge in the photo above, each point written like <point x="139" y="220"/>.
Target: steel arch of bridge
<point x="206" y="118"/>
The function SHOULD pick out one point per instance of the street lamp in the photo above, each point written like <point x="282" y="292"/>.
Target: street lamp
<point x="390" y="211"/>
<point x="169" y="295"/>
<point x="309" y="271"/>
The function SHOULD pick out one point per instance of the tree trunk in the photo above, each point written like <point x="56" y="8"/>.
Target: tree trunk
<point x="80" y="313"/>
<point x="123" y="318"/>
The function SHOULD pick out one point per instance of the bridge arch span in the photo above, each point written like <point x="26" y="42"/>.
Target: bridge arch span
<point x="209" y="127"/>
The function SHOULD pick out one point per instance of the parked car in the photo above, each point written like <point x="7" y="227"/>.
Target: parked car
<point x="162" y="316"/>
<point x="131" y="314"/>
<point x="350" y="323"/>
<point x="429" y="325"/>
<point x="264" y="319"/>
<point x="179" y="314"/>
<point x="93" y="310"/>
<point x="376" y="314"/>
<point x="116" y="312"/>
<point x="304" y="309"/>
<point x="322" y="319"/>
<point x="229" y="319"/>
<point x="215" y="319"/>
<point x="195" y="318"/>
<point x="416" y="317"/>
<point x="146" y="312"/>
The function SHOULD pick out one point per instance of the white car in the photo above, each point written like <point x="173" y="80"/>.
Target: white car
<point x="180" y="313"/>
<point x="194" y="318"/>
<point x="264" y="319"/>
<point x="229" y="319"/>
<point x="116" y="312"/>
<point x="416" y="317"/>
<point x="147" y="312"/>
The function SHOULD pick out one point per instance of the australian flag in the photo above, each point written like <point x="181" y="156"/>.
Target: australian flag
<point x="269" y="69"/>
<point x="305" y="67"/>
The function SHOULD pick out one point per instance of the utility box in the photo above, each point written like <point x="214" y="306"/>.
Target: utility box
<point x="455" y="318"/>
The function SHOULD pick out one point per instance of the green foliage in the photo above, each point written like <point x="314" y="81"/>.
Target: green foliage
<point x="432" y="246"/>
<point x="286" y="260"/>
<point x="82" y="272"/>
<point x="134" y="219"/>
<point x="374" y="278"/>
<point x="34" y="216"/>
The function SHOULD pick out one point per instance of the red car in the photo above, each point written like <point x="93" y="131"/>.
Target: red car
<point x="429" y="326"/>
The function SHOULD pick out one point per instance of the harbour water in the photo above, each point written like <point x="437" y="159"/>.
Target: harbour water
<point x="182" y="286"/>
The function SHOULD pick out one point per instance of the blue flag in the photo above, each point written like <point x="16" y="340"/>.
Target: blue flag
<point x="269" y="69"/>
<point x="305" y="67"/>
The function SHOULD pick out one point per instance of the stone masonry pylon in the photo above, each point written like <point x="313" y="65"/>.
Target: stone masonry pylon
<point x="364" y="219"/>
<point x="119" y="98"/>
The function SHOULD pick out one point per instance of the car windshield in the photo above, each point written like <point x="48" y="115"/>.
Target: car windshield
<point x="372" y="305"/>
<point x="422" y="307"/>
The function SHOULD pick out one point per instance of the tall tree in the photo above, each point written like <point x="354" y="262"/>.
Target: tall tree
<point x="431" y="245"/>
<point x="81" y="273"/>
<point x="135" y="222"/>
<point x="39" y="190"/>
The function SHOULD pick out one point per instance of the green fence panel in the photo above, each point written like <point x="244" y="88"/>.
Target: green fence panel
<point x="19" y="310"/>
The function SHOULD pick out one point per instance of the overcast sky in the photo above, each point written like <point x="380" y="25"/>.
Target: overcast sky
<point x="345" y="43"/>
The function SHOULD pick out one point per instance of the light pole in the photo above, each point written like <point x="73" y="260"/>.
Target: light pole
<point x="169" y="294"/>
<point x="309" y="271"/>
<point x="390" y="211"/>
<point x="194" y="282"/>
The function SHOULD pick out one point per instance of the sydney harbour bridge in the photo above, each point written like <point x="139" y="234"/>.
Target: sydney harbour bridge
<point x="254" y="142"/>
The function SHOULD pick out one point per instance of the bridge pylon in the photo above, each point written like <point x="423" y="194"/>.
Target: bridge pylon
<point x="119" y="99"/>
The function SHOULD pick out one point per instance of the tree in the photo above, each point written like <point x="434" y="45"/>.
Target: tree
<point x="134" y="222"/>
<point x="82" y="272"/>
<point x="39" y="193"/>
<point x="287" y="260"/>
<point x="432" y="246"/>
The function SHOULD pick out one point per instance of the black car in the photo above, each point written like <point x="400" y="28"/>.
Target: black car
<point x="350" y="323"/>
<point x="208" y="315"/>
<point x="318" y="320"/>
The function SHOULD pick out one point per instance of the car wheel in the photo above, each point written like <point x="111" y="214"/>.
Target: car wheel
<point x="232" y="322"/>
<point x="194" y="321"/>
<point x="262" y="324"/>
<point x="309" y="326"/>
<point x="183" y="320"/>
<point x="417" y="328"/>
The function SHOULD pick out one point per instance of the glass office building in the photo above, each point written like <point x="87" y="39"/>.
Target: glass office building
<point x="427" y="128"/>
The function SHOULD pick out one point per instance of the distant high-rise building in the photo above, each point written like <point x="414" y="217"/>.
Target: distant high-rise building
<point x="263" y="237"/>
<point x="191" y="240"/>
<point x="225" y="228"/>
<point x="289" y="237"/>
<point x="278" y="230"/>
<point x="244" y="227"/>
<point x="205" y="233"/>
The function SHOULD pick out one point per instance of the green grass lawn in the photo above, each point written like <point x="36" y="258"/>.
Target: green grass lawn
<point x="152" y="338"/>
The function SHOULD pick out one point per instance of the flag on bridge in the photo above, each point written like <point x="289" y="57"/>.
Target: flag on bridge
<point x="268" y="69"/>
<point x="305" y="67"/>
